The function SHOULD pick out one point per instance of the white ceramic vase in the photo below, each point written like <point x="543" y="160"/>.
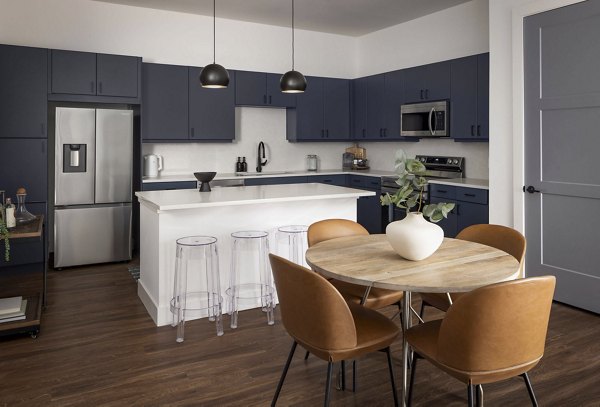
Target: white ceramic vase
<point x="413" y="237"/>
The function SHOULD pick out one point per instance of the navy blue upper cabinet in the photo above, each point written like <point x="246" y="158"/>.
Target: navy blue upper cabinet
<point x="469" y="117"/>
<point x="164" y="102"/>
<point x="24" y="164"/>
<point x="211" y="111"/>
<point x="261" y="89"/>
<point x="427" y="82"/>
<point x="89" y="74"/>
<point x="359" y="108"/>
<point x="117" y="75"/>
<point x="394" y="97"/>
<point x="23" y="92"/>
<point x="375" y="106"/>
<point x="336" y="109"/>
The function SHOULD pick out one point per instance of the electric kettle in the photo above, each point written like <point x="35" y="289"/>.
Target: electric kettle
<point x="153" y="163"/>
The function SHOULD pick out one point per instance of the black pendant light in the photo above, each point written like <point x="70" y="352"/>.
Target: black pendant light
<point x="214" y="75"/>
<point x="292" y="81"/>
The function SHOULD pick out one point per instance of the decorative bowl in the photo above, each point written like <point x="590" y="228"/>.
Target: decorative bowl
<point x="205" y="178"/>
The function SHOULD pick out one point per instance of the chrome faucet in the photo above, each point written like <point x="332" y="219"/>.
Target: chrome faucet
<point x="261" y="148"/>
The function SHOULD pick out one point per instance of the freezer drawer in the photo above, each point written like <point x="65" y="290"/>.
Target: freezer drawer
<point x="92" y="234"/>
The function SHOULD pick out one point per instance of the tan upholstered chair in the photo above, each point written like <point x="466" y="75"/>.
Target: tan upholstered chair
<point x="334" y="228"/>
<point x="326" y="325"/>
<point x="500" y="237"/>
<point x="489" y="334"/>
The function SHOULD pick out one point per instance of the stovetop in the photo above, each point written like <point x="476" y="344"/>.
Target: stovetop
<point x="444" y="167"/>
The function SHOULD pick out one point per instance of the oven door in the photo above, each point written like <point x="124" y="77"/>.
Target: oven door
<point x="424" y="119"/>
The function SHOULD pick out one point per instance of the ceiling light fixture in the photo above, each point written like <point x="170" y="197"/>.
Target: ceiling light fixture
<point x="292" y="81"/>
<point x="214" y="75"/>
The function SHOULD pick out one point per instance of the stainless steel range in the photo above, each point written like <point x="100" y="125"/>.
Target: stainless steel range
<point x="436" y="166"/>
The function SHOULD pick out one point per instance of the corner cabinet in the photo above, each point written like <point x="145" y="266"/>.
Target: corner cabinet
<point x="103" y="76"/>
<point x="23" y="92"/>
<point x="261" y="89"/>
<point x="469" y="113"/>
<point x="471" y="206"/>
<point x="427" y="82"/>
<point x="322" y="112"/>
<point x="175" y="108"/>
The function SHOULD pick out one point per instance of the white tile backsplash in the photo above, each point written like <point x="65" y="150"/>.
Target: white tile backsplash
<point x="269" y="125"/>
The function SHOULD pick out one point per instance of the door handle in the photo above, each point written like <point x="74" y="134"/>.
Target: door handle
<point x="530" y="189"/>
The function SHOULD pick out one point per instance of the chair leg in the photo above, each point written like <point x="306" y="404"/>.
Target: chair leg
<point x="412" y="378"/>
<point x="392" y="378"/>
<point x="306" y="355"/>
<point x="534" y="402"/>
<point x="399" y="303"/>
<point x="343" y="386"/>
<point x="470" y="395"/>
<point x="354" y="375"/>
<point x="328" y="383"/>
<point x="422" y="311"/>
<point x="479" y="395"/>
<point x="285" y="369"/>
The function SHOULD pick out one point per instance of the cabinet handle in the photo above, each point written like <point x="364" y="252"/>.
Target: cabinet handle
<point x="269" y="99"/>
<point x="426" y="93"/>
<point x="472" y="130"/>
<point x="265" y="99"/>
<point x="421" y="94"/>
<point x="478" y="130"/>
<point x="457" y="207"/>
<point x="441" y="191"/>
<point x="471" y="195"/>
<point x="192" y="132"/>
<point x="364" y="131"/>
<point x="99" y="87"/>
<point x="92" y="86"/>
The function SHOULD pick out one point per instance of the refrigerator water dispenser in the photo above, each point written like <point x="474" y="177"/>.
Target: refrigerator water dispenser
<point x="74" y="157"/>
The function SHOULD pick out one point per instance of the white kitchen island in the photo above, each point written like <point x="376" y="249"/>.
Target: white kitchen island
<point x="166" y="216"/>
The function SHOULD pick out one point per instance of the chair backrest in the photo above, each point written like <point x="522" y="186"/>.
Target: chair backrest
<point x="333" y="228"/>
<point x="312" y="310"/>
<point x="501" y="237"/>
<point x="499" y="326"/>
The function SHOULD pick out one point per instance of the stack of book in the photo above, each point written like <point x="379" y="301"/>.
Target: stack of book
<point x="12" y="309"/>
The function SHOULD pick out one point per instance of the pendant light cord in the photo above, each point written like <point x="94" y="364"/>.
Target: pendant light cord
<point x="215" y="31"/>
<point x="292" y="35"/>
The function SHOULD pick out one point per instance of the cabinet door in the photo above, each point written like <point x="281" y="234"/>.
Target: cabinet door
<point x="309" y="111"/>
<point x="73" y="72"/>
<point x="359" y="108"/>
<point x="483" y="96"/>
<point x="160" y="186"/>
<point x="164" y="102"/>
<point x="117" y="75"/>
<point x="339" y="180"/>
<point x="471" y="214"/>
<point x="369" y="212"/>
<point x="375" y="106"/>
<point x="463" y="112"/>
<point x="23" y="92"/>
<point x="23" y="163"/>
<point x="250" y="88"/>
<point x="275" y="97"/>
<point x="212" y="111"/>
<point x="437" y="81"/>
<point x="414" y="84"/>
<point x="274" y="180"/>
<point x="336" y="108"/>
<point x="449" y="225"/>
<point x="394" y="97"/>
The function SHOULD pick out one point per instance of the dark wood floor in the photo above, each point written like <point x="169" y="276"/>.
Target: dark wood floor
<point x="99" y="347"/>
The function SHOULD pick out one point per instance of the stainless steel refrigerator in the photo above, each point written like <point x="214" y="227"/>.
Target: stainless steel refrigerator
<point x="92" y="176"/>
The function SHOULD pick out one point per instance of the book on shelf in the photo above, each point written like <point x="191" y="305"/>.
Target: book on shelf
<point x="15" y="316"/>
<point x="10" y="305"/>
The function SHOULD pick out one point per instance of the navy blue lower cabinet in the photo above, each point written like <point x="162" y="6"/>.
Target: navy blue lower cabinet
<point x="471" y="207"/>
<point x="161" y="186"/>
<point x="275" y="181"/>
<point x="471" y="214"/>
<point x="339" y="180"/>
<point x="449" y="225"/>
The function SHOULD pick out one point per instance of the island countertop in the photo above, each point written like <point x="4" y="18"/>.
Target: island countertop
<point x="244" y="195"/>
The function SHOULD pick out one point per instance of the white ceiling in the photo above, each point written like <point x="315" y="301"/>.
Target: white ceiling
<point x="345" y="17"/>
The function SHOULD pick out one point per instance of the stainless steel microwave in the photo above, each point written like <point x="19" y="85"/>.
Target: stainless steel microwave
<point x="424" y="119"/>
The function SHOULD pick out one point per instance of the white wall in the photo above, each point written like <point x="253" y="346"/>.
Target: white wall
<point x="177" y="38"/>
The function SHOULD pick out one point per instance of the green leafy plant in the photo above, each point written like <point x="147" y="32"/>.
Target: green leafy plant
<point x="4" y="238"/>
<point x="412" y="186"/>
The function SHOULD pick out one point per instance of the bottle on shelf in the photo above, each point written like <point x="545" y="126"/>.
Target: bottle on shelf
<point x="238" y="165"/>
<point x="244" y="165"/>
<point x="11" y="222"/>
<point x="22" y="215"/>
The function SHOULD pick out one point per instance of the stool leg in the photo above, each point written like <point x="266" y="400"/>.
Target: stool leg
<point x="218" y="316"/>
<point x="270" y="316"/>
<point x="182" y="295"/>
<point x="181" y="317"/>
<point x="234" y="308"/>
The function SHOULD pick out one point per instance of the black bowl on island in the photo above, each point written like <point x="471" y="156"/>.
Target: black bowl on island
<point x="205" y="178"/>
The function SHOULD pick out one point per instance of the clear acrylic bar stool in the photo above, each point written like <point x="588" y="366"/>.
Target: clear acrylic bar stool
<point x="249" y="256"/>
<point x="294" y="236"/>
<point x="197" y="287"/>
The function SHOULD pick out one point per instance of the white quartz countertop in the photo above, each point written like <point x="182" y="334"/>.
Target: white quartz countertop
<point x="244" y="195"/>
<point x="224" y="176"/>
<point x="462" y="182"/>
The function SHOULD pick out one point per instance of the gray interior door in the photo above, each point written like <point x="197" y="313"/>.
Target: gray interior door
<point x="562" y="147"/>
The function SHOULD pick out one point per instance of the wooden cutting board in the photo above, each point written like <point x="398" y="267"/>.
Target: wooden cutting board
<point x="359" y="152"/>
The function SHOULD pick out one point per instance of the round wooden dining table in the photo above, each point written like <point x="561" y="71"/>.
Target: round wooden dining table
<point x="369" y="260"/>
